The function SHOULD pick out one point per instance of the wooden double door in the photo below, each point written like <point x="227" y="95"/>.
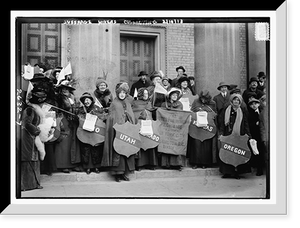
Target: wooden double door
<point x="136" y="54"/>
<point x="41" y="43"/>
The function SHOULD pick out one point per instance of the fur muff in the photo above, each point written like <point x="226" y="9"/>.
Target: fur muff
<point x="45" y="127"/>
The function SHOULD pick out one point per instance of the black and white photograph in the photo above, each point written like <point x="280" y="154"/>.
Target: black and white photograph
<point x="144" y="107"/>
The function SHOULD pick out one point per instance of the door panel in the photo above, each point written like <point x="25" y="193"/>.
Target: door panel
<point x="136" y="54"/>
<point x="41" y="43"/>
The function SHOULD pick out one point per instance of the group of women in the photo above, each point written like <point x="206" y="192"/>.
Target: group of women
<point x="67" y="153"/>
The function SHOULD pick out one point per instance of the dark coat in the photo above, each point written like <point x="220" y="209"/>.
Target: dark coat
<point x="221" y="104"/>
<point x="246" y="94"/>
<point x="30" y="121"/>
<point x="67" y="151"/>
<point x="120" y="111"/>
<point x="226" y="130"/>
<point x="202" y="153"/>
<point x="105" y="98"/>
<point x="87" y="151"/>
<point x="138" y="84"/>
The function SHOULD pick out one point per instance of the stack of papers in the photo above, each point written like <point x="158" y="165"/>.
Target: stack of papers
<point x="89" y="123"/>
<point x="146" y="127"/>
<point x="202" y="119"/>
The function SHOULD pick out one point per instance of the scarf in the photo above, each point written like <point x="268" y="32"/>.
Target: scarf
<point x="239" y="116"/>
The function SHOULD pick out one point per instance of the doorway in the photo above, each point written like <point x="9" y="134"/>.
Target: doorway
<point x="136" y="54"/>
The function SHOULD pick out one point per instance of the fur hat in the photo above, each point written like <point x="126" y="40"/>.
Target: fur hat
<point x="37" y="96"/>
<point x="122" y="86"/>
<point x="205" y="94"/>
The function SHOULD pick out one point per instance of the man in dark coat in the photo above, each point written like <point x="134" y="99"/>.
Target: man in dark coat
<point x="180" y="71"/>
<point x="222" y="99"/>
<point x="253" y="83"/>
<point x="261" y="81"/>
<point x="143" y="82"/>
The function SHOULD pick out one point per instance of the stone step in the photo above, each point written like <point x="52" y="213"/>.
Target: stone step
<point x="106" y="176"/>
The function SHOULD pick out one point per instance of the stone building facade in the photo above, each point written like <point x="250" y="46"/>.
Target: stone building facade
<point x="212" y="52"/>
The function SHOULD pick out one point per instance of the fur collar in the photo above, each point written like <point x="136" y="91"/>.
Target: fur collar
<point x="100" y="94"/>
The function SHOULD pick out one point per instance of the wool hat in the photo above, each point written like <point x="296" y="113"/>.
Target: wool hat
<point x="180" y="67"/>
<point x="142" y="73"/>
<point x="232" y="96"/>
<point x="223" y="84"/>
<point x="86" y="95"/>
<point x="252" y="99"/>
<point x="99" y="81"/>
<point x="155" y="74"/>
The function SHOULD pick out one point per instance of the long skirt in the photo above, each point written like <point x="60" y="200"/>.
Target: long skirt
<point x="231" y="170"/>
<point x="30" y="175"/>
<point x="48" y="165"/>
<point x="125" y="166"/>
<point x="147" y="158"/>
<point x="200" y="153"/>
<point x="91" y="156"/>
<point x="168" y="160"/>
<point x="67" y="152"/>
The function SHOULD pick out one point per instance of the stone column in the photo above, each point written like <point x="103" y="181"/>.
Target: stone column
<point x="93" y="50"/>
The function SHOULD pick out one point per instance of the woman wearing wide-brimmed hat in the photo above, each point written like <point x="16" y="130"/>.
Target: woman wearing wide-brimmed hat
<point x="30" y="160"/>
<point x="203" y="153"/>
<point x="172" y="100"/>
<point x="67" y="151"/>
<point x="173" y="103"/>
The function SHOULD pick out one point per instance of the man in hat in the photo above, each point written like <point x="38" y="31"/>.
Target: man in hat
<point x="141" y="83"/>
<point x="180" y="73"/>
<point x="253" y="83"/>
<point x="261" y="81"/>
<point x="222" y="99"/>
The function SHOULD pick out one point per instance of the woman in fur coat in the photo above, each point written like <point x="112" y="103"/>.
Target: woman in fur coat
<point x="67" y="151"/>
<point x="102" y="94"/>
<point x="30" y="159"/>
<point x="120" y="111"/>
